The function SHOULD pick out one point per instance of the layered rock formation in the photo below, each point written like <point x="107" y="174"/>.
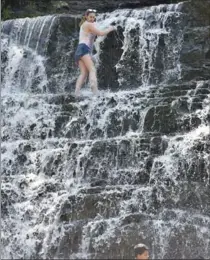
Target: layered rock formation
<point x="108" y="5"/>
<point x="23" y="8"/>
<point x="90" y="178"/>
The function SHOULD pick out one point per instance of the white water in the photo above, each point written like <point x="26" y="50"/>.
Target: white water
<point x="152" y="23"/>
<point x="32" y="223"/>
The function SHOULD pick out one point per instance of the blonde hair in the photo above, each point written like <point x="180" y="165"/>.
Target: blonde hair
<point x="88" y="11"/>
<point x="82" y="20"/>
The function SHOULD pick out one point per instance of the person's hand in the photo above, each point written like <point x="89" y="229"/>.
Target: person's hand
<point x="112" y="28"/>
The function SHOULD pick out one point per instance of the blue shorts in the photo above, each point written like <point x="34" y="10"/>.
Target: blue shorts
<point x="81" y="50"/>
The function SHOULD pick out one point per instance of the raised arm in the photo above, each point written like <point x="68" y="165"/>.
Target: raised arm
<point x="92" y="28"/>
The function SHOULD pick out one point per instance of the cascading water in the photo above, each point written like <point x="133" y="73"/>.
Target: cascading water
<point x="148" y="39"/>
<point x="90" y="178"/>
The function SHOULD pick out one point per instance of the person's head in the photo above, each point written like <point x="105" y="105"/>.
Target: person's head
<point x="141" y="252"/>
<point x="90" y="16"/>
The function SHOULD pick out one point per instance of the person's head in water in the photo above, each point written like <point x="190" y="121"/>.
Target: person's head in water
<point x="141" y="252"/>
<point x="90" y="16"/>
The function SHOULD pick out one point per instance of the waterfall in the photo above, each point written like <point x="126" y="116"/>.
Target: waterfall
<point x="151" y="41"/>
<point x="90" y="178"/>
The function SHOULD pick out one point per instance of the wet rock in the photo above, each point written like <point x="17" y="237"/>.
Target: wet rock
<point x="74" y="129"/>
<point x="194" y="53"/>
<point x="70" y="108"/>
<point x="98" y="183"/>
<point x="70" y="242"/>
<point x="32" y="126"/>
<point x="65" y="30"/>
<point x="59" y="123"/>
<point x="109" y="57"/>
<point x="160" y="119"/>
<point x="4" y="202"/>
<point x="60" y="6"/>
<point x="89" y="206"/>
<point x="109" y="5"/>
<point x="190" y="123"/>
<point x="156" y="145"/>
<point x="114" y="125"/>
<point x="97" y="133"/>
<point x="178" y="250"/>
<point x="181" y="105"/>
<point x="134" y="218"/>
<point x="43" y="135"/>
<point x="112" y="102"/>
<point x="21" y="158"/>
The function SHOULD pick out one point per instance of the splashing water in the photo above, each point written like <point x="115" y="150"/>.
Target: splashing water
<point x="85" y="178"/>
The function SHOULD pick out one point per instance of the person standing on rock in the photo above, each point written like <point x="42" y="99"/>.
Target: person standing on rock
<point x="141" y="252"/>
<point x="83" y="57"/>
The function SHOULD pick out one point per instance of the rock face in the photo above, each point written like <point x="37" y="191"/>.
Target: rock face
<point x="91" y="177"/>
<point x="23" y="8"/>
<point x="107" y="6"/>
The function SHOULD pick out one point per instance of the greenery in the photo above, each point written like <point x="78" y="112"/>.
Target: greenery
<point x="7" y="13"/>
<point x="12" y="9"/>
<point x="23" y="8"/>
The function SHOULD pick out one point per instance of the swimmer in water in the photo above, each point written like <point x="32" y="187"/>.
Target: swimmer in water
<point x="141" y="252"/>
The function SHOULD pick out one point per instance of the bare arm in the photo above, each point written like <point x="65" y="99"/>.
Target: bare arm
<point x="92" y="28"/>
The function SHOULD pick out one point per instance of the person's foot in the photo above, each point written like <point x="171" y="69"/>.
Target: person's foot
<point x="77" y="94"/>
<point x="95" y="92"/>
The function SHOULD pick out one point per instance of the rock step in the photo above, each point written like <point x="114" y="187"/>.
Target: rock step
<point x="135" y="199"/>
<point x="128" y="160"/>
<point x="70" y="117"/>
<point x="94" y="202"/>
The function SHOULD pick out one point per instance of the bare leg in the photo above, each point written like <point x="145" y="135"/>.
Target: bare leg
<point x="92" y="72"/>
<point x="82" y="77"/>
